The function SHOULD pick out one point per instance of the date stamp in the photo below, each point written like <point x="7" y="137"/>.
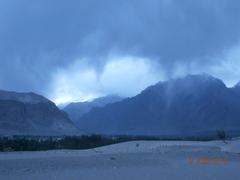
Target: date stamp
<point x="207" y="160"/>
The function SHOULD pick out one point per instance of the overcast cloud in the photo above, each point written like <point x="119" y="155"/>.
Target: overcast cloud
<point x="76" y="50"/>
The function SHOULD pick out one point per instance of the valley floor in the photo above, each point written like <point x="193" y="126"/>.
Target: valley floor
<point x="137" y="160"/>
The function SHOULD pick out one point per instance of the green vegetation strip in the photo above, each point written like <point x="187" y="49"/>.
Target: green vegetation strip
<point x="38" y="143"/>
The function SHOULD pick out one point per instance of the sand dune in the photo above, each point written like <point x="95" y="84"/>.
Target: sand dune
<point x="131" y="160"/>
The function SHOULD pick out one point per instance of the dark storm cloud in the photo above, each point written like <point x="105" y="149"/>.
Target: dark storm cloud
<point x="37" y="37"/>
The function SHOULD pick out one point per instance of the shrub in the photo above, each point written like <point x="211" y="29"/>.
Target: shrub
<point x="222" y="135"/>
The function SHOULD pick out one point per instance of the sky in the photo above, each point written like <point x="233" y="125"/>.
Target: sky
<point x="77" y="50"/>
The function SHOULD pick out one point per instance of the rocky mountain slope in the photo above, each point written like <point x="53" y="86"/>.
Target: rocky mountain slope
<point x="32" y="114"/>
<point x="76" y="110"/>
<point x="193" y="104"/>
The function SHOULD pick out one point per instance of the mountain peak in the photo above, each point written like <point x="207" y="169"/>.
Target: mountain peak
<point x="203" y="77"/>
<point x="107" y="99"/>
<point x="30" y="97"/>
<point x="191" y="83"/>
<point x="195" y="80"/>
<point x="76" y="110"/>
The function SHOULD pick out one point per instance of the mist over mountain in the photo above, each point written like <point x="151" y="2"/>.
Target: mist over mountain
<point x="32" y="114"/>
<point x="76" y="110"/>
<point x="195" y="103"/>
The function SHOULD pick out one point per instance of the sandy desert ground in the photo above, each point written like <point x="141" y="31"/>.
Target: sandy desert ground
<point x="137" y="160"/>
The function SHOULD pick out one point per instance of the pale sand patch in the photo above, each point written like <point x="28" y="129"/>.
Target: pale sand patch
<point x="131" y="160"/>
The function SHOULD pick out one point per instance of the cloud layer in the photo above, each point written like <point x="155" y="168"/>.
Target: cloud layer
<point x="124" y="76"/>
<point x="40" y="40"/>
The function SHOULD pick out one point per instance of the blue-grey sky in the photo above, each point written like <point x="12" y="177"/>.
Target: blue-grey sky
<point x="74" y="50"/>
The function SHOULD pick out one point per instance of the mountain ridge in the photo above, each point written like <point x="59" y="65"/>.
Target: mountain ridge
<point x="77" y="109"/>
<point x="193" y="103"/>
<point x="32" y="114"/>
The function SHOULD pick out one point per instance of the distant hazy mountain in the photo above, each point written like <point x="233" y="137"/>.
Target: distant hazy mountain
<point x="76" y="110"/>
<point x="195" y="103"/>
<point x="29" y="113"/>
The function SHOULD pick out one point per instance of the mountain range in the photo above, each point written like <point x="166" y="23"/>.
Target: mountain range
<point x="76" y="110"/>
<point x="189" y="105"/>
<point x="192" y="104"/>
